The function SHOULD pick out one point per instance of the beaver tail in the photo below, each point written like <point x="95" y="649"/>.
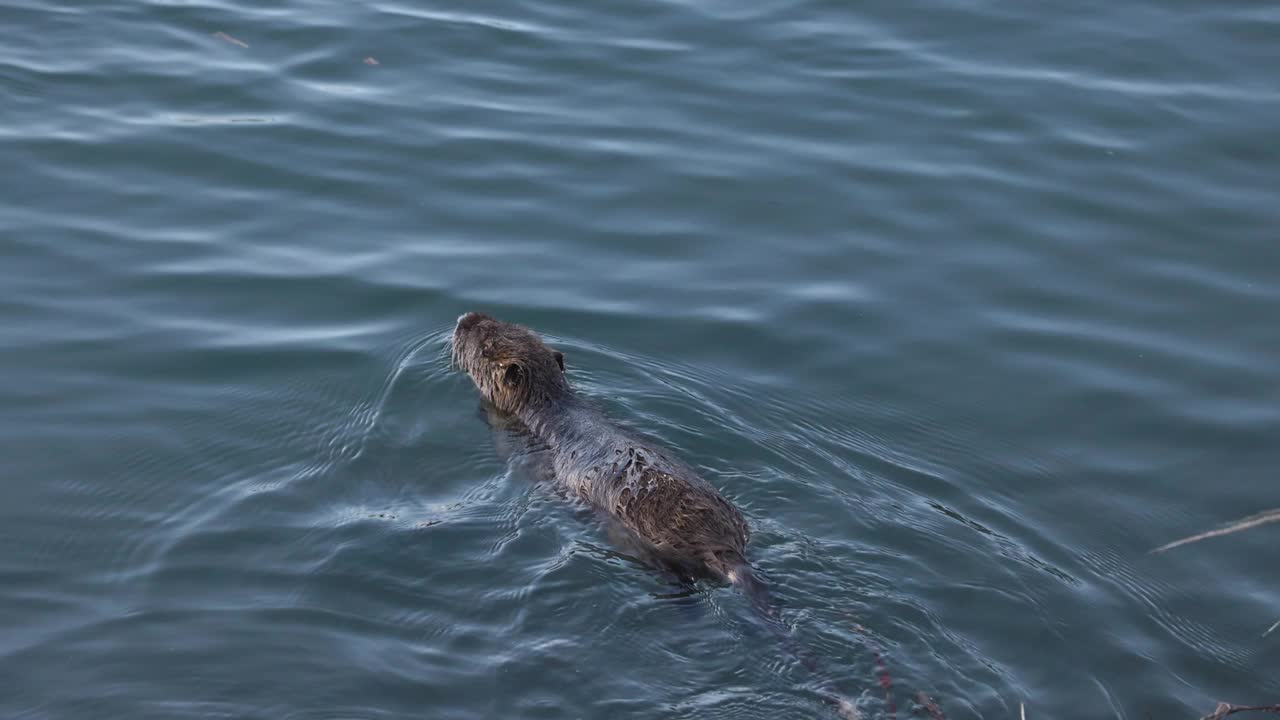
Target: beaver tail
<point x="757" y="593"/>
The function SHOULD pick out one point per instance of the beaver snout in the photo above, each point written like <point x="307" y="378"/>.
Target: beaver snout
<point x="468" y="320"/>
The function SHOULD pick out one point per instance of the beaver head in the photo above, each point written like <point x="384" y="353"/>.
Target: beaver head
<point x="510" y="365"/>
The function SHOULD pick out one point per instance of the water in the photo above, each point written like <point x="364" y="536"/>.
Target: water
<point x="968" y="305"/>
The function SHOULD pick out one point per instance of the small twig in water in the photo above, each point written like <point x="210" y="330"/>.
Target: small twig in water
<point x="930" y="706"/>
<point x="1022" y="710"/>
<point x="1271" y="629"/>
<point x="1245" y="524"/>
<point x="227" y="38"/>
<point x="1225" y="709"/>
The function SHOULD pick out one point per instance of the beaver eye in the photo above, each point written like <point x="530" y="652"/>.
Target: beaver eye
<point x="514" y="374"/>
<point x="559" y="359"/>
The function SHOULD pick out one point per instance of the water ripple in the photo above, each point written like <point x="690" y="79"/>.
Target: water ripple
<point x="967" y="306"/>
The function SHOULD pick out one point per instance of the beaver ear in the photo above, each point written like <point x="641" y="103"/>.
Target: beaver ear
<point x="559" y="359"/>
<point x="514" y="374"/>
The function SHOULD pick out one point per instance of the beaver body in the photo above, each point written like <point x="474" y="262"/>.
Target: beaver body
<point x="683" y="521"/>
<point x="686" y="522"/>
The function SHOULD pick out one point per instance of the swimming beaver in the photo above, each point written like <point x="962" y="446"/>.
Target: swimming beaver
<point x="683" y="522"/>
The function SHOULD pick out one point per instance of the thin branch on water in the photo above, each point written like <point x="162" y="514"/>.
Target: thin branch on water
<point x="930" y="706"/>
<point x="1251" y="521"/>
<point x="1225" y="709"/>
<point x="227" y="38"/>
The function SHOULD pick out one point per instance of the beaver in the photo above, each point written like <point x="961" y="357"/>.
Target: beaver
<point x="684" y="523"/>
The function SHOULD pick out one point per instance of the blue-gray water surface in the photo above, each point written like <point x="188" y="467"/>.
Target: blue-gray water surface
<point x="968" y="305"/>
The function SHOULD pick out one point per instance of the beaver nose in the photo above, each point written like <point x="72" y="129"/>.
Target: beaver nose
<point x="468" y="319"/>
